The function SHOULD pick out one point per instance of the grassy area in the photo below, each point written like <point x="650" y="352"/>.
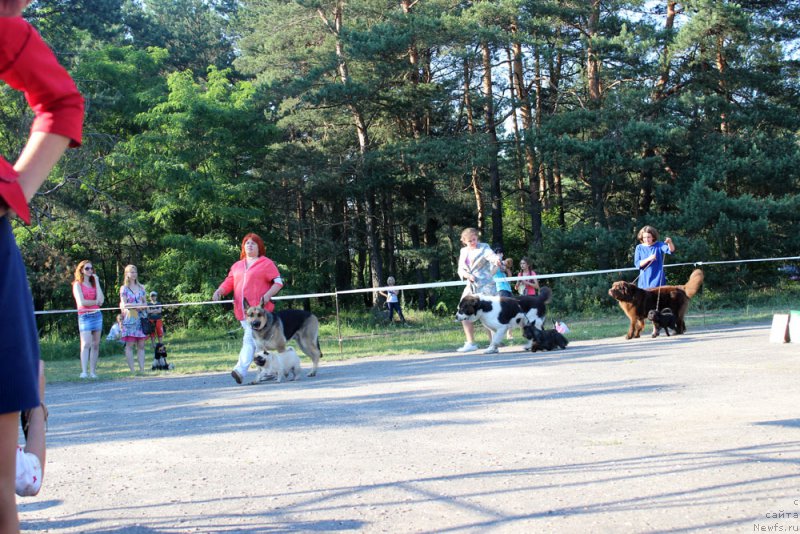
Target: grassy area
<point x="366" y="334"/>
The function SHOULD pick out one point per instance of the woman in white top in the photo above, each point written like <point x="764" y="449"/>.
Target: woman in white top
<point x="476" y="264"/>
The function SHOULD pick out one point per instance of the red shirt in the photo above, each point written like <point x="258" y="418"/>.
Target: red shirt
<point x="28" y="65"/>
<point x="249" y="283"/>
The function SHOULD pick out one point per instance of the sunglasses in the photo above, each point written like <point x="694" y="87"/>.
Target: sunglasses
<point x="88" y="268"/>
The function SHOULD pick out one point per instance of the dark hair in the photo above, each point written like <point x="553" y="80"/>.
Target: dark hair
<point x="498" y="249"/>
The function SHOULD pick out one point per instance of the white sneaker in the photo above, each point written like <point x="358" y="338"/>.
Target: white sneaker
<point x="92" y="375"/>
<point x="491" y="350"/>
<point x="468" y="347"/>
<point x="84" y="375"/>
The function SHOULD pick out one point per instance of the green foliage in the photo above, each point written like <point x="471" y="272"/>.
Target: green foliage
<point x="353" y="139"/>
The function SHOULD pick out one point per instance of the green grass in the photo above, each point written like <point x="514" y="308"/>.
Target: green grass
<point x="368" y="334"/>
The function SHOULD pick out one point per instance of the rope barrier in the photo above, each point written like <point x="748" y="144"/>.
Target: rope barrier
<point x="433" y="285"/>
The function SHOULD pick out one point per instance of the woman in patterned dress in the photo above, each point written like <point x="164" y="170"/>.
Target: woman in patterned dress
<point x="133" y="302"/>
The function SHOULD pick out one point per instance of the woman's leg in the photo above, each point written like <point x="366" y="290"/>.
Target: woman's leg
<point x="469" y="331"/>
<point x="9" y="425"/>
<point x="140" y="345"/>
<point x="95" y="354"/>
<point x="247" y="351"/>
<point x="129" y="355"/>
<point x="86" y="347"/>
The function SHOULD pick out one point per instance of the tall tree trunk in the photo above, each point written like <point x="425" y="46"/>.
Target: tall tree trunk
<point x="431" y="241"/>
<point x="335" y="27"/>
<point x="518" y="159"/>
<point x="526" y="115"/>
<point x="658" y="94"/>
<point x="475" y="184"/>
<point x="722" y="67"/>
<point x="494" y="146"/>
<point x="596" y="175"/>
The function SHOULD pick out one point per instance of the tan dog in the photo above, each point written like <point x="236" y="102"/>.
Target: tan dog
<point x="272" y="331"/>
<point x="637" y="302"/>
<point x="279" y="364"/>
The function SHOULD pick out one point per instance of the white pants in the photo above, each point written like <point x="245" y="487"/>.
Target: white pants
<point x="248" y="350"/>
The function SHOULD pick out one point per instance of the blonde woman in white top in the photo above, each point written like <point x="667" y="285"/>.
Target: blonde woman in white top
<point x="476" y="264"/>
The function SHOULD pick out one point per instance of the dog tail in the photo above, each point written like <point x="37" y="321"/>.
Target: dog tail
<point x="546" y="293"/>
<point x="695" y="283"/>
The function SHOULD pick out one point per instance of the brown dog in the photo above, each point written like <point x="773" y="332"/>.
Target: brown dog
<point x="637" y="302"/>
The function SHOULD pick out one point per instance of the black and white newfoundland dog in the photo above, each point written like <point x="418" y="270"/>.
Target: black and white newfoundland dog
<point x="498" y="314"/>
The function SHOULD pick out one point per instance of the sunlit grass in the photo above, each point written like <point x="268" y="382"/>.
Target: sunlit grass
<point x="367" y="334"/>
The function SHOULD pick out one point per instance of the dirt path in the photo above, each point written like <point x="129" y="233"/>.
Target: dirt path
<point x="679" y="434"/>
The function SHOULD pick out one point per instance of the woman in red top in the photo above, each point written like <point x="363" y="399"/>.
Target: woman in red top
<point x="28" y="65"/>
<point x="88" y="298"/>
<point x="255" y="279"/>
<point x="527" y="287"/>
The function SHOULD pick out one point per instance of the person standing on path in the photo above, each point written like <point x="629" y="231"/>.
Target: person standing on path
<point x="649" y="257"/>
<point x="28" y="65"/>
<point x="133" y="303"/>
<point x="88" y="298"/>
<point x="476" y="262"/>
<point x="255" y="279"/>
<point x="393" y="301"/>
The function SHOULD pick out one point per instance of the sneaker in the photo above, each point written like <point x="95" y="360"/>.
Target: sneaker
<point x="468" y="347"/>
<point x="236" y="376"/>
<point x="92" y="375"/>
<point x="491" y="350"/>
<point x="84" y="375"/>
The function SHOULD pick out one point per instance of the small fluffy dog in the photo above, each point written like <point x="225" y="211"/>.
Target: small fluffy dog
<point x="662" y="319"/>
<point x="498" y="314"/>
<point x="544" y="339"/>
<point x="160" y="358"/>
<point x="279" y="364"/>
<point x="272" y="331"/>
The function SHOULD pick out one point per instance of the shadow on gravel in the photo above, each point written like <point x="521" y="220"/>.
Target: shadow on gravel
<point x="464" y="499"/>
<point x="195" y="405"/>
<point x="168" y="410"/>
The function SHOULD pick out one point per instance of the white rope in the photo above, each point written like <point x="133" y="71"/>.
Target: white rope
<point x="431" y="285"/>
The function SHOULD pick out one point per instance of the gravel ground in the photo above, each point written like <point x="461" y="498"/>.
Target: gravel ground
<point x="698" y="432"/>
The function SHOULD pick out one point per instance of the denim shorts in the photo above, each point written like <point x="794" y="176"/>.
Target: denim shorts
<point x="90" y="322"/>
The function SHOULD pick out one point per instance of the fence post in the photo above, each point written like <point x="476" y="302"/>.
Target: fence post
<point x="338" y="321"/>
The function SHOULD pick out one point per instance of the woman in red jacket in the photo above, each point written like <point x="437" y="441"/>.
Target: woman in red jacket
<point x="255" y="279"/>
<point x="27" y="65"/>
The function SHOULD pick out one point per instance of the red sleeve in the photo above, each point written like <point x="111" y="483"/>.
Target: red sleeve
<point x="227" y="285"/>
<point x="27" y="64"/>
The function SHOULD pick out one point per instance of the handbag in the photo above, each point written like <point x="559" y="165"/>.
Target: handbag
<point x="147" y="326"/>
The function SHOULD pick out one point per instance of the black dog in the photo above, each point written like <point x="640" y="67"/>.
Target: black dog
<point x="160" y="358"/>
<point x="663" y="319"/>
<point x="544" y="339"/>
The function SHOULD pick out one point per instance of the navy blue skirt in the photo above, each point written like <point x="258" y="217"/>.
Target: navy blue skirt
<point x="19" y="338"/>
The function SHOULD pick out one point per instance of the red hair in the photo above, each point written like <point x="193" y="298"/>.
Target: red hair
<point x="262" y="251"/>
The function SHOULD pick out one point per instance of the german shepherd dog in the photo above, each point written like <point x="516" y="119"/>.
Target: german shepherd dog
<point x="272" y="330"/>
<point x="637" y="302"/>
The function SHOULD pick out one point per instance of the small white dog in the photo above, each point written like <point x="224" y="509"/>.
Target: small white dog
<point x="280" y="364"/>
